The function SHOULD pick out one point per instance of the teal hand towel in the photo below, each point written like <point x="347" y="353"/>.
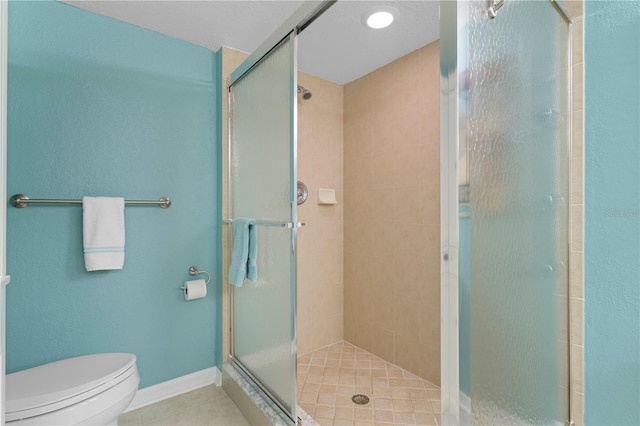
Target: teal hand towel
<point x="252" y="266"/>
<point x="244" y="253"/>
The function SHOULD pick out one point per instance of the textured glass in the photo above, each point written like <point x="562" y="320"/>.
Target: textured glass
<point x="517" y="151"/>
<point x="261" y="175"/>
<point x="260" y="140"/>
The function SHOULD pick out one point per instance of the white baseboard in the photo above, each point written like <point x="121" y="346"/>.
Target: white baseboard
<point x="177" y="386"/>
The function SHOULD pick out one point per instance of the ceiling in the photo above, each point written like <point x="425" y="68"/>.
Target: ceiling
<point x="336" y="47"/>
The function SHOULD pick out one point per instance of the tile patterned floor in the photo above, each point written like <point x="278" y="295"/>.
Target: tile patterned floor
<point x="327" y="379"/>
<point x="209" y="405"/>
<point x="330" y="376"/>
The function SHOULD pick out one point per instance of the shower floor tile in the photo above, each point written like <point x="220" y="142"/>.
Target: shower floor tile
<point x="329" y="377"/>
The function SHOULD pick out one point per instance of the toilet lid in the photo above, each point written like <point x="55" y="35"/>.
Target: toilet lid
<point x="62" y="380"/>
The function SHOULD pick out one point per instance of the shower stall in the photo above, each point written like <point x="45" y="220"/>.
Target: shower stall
<point x="504" y="185"/>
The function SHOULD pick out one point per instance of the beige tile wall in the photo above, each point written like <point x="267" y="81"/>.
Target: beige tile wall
<point x="320" y="243"/>
<point x="392" y="212"/>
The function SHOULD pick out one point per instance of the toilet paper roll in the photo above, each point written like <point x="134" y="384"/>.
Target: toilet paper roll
<point x="195" y="289"/>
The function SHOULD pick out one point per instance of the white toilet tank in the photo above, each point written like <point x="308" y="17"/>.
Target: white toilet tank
<point x="90" y="389"/>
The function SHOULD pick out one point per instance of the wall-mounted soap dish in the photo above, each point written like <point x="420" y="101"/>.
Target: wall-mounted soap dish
<point x="327" y="196"/>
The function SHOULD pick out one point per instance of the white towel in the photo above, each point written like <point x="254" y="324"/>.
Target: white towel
<point x="103" y="232"/>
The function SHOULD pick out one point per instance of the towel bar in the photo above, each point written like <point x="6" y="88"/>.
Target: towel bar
<point x="272" y="223"/>
<point x="21" y="201"/>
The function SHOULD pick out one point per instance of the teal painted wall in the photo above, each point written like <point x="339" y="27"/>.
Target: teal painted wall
<point x="99" y="107"/>
<point x="612" y="204"/>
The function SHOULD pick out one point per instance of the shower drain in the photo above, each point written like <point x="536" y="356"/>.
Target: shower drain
<point x="360" y="399"/>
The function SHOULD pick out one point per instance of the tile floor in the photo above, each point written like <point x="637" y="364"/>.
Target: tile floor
<point x="330" y="376"/>
<point x="327" y="379"/>
<point x="209" y="405"/>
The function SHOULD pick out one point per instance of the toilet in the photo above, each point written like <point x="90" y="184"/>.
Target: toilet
<point x="86" y="390"/>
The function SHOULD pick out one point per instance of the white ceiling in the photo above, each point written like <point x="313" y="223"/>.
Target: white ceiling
<point x="336" y="47"/>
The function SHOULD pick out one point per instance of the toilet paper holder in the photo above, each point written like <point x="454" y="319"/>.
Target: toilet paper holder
<point x="194" y="271"/>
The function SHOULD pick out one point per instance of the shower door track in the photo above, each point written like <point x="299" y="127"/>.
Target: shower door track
<point x="258" y="386"/>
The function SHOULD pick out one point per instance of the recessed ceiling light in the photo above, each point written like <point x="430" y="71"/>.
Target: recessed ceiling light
<point x="379" y="17"/>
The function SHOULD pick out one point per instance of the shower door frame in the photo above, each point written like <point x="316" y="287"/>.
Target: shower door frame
<point x="4" y="279"/>
<point x="453" y="18"/>
<point x="244" y="69"/>
<point x="449" y="239"/>
<point x="308" y="12"/>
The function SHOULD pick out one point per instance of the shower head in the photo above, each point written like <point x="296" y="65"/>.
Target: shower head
<point x="494" y="5"/>
<point x="306" y="93"/>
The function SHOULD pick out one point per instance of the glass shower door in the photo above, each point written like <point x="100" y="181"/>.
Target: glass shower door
<point x="512" y="212"/>
<point x="261" y="186"/>
<point x="517" y="143"/>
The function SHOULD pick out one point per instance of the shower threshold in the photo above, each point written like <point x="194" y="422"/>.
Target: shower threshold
<point x="255" y="406"/>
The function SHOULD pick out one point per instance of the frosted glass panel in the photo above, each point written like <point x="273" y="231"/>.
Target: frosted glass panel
<point x="262" y="172"/>
<point x="262" y="317"/>
<point x="517" y="152"/>
<point x="261" y="139"/>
